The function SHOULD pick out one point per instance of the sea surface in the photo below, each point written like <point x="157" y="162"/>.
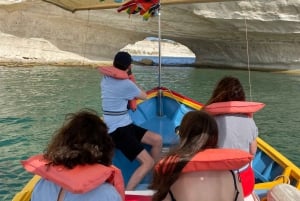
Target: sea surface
<point x="171" y="60"/>
<point x="34" y="101"/>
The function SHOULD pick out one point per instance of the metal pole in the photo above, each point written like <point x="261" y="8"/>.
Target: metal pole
<point x="159" y="51"/>
<point x="160" y="109"/>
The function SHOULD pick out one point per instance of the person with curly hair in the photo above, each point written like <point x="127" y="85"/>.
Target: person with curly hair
<point x="81" y="142"/>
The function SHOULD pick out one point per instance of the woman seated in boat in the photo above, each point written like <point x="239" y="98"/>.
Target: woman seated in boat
<point x="237" y="128"/>
<point x="77" y="164"/>
<point x="196" y="169"/>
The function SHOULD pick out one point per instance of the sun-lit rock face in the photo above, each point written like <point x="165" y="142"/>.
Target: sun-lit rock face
<point x="150" y="47"/>
<point x="265" y="33"/>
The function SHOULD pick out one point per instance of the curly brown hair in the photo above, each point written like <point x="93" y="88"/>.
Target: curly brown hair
<point x="198" y="131"/>
<point x="227" y="89"/>
<point x="82" y="139"/>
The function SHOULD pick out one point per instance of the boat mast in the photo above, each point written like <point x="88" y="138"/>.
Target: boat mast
<point x="160" y="93"/>
<point x="159" y="51"/>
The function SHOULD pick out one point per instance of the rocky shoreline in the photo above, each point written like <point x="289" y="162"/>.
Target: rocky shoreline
<point x="38" y="33"/>
<point x="40" y="52"/>
<point x="96" y="64"/>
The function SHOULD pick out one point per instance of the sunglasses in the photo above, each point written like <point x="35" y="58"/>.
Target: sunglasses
<point x="177" y="130"/>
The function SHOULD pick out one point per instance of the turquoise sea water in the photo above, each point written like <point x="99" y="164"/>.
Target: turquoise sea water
<point x="34" y="101"/>
<point x="167" y="60"/>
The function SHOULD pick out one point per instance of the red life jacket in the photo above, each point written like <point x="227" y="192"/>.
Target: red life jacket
<point x="218" y="159"/>
<point x="234" y="107"/>
<point x="215" y="159"/>
<point x="119" y="74"/>
<point x="80" y="179"/>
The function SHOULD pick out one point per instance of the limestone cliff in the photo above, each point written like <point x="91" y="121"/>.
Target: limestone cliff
<point x="38" y="32"/>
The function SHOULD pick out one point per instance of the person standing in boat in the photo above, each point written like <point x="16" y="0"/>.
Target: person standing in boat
<point x="128" y="137"/>
<point x="236" y="129"/>
<point x="77" y="163"/>
<point x="196" y="169"/>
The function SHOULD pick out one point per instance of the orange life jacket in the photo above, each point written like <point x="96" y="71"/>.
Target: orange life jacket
<point x="119" y="74"/>
<point x="80" y="179"/>
<point x="216" y="159"/>
<point x="231" y="107"/>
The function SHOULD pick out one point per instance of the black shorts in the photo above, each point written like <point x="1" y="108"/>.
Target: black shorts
<point x="128" y="140"/>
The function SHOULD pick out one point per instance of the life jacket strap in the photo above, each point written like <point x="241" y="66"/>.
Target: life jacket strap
<point x="235" y="186"/>
<point x="115" y="113"/>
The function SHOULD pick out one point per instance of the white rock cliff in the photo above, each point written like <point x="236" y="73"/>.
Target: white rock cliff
<point x="266" y="33"/>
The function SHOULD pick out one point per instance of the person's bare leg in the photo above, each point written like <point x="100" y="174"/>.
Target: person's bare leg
<point x="155" y="140"/>
<point x="146" y="164"/>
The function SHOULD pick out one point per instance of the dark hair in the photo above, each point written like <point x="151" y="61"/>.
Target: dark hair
<point x="122" y="60"/>
<point x="227" y="89"/>
<point x="82" y="139"/>
<point x="198" y="131"/>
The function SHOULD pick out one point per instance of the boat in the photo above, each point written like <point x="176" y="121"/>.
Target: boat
<point x="162" y="112"/>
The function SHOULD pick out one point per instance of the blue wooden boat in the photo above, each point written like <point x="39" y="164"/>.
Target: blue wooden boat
<point x="162" y="113"/>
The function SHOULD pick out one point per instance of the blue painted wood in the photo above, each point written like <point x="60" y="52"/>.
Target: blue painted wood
<point x="265" y="168"/>
<point x="173" y="111"/>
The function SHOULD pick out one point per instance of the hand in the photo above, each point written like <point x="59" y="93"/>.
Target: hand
<point x="129" y="72"/>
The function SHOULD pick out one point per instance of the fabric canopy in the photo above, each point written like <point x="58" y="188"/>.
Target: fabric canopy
<point x="74" y="5"/>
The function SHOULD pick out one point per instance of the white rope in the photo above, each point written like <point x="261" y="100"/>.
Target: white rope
<point x="248" y="59"/>
<point x="285" y="179"/>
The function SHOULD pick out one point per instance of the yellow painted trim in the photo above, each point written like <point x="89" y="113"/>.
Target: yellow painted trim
<point x="291" y="171"/>
<point x="267" y="185"/>
<point x="183" y="100"/>
<point x="25" y="193"/>
<point x="175" y="97"/>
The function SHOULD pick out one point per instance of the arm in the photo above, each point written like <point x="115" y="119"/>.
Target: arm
<point x="142" y="95"/>
<point x="253" y="147"/>
<point x="253" y="144"/>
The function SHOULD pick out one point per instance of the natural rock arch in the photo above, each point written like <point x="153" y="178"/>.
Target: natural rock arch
<point x="214" y="32"/>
